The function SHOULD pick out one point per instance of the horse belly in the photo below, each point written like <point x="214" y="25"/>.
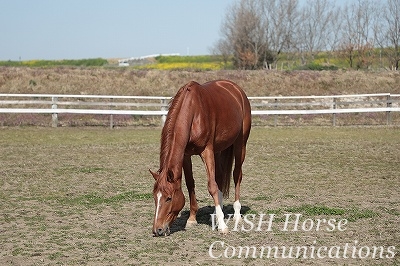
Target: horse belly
<point x="227" y="130"/>
<point x="220" y="139"/>
<point x="225" y="139"/>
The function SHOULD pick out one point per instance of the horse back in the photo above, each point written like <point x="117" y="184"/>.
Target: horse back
<point x="228" y="101"/>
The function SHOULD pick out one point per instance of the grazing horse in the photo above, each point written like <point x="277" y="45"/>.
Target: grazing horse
<point x="212" y="120"/>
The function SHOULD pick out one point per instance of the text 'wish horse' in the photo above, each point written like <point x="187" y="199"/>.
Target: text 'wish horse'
<point x="212" y="120"/>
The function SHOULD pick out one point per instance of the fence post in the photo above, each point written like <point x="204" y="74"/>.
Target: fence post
<point x="111" y="115"/>
<point x="388" y="113"/>
<point x="334" y="114"/>
<point x="164" y="107"/>
<point x="54" y="116"/>
<point x="276" y="116"/>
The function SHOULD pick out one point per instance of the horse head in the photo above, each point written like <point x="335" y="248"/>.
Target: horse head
<point x="169" y="201"/>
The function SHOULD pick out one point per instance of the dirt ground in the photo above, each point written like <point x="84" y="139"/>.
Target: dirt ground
<point x="82" y="196"/>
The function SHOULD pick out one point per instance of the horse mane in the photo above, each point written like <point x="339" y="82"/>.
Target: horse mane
<point x="168" y="129"/>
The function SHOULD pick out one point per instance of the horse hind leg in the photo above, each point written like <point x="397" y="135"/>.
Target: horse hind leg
<point x="240" y="153"/>
<point x="187" y="169"/>
<point x="223" y="169"/>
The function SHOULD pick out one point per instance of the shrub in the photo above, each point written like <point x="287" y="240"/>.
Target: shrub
<point x="317" y="67"/>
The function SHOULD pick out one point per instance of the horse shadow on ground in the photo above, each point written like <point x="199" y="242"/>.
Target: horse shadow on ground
<point x="203" y="216"/>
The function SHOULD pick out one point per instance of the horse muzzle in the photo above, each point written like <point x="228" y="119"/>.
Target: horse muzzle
<point x="161" y="231"/>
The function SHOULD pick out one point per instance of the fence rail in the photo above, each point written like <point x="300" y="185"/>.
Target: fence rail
<point x="55" y="104"/>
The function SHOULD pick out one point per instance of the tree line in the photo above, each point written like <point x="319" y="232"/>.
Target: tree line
<point x="257" y="33"/>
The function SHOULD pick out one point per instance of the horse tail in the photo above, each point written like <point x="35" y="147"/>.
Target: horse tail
<point x="224" y="164"/>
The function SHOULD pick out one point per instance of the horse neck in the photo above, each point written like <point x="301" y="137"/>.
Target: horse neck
<point x="175" y="137"/>
<point x="173" y="159"/>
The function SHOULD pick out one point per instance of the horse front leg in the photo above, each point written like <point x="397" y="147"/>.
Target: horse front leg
<point x="208" y="158"/>
<point x="187" y="169"/>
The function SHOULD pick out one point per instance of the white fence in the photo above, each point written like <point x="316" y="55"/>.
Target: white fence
<point x="158" y="106"/>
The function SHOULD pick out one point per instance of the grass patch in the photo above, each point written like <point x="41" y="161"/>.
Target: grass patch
<point x="88" y="170"/>
<point x="75" y="169"/>
<point x="91" y="62"/>
<point x="355" y="214"/>
<point x="351" y="214"/>
<point x="56" y="255"/>
<point x="391" y="211"/>
<point x="17" y="251"/>
<point x="263" y="198"/>
<point x="312" y="210"/>
<point x="89" y="199"/>
<point x="95" y="199"/>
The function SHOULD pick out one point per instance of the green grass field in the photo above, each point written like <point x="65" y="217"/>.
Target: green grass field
<point x="285" y="61"/>
<point x="82" y="196"/>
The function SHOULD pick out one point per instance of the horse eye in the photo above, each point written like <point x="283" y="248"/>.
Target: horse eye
<point x="168" y="199"/>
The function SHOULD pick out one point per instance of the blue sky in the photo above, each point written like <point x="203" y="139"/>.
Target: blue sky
<point x="76" y="29"/>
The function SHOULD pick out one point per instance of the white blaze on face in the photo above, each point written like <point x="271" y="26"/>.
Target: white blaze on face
<point x="158" y="203"/>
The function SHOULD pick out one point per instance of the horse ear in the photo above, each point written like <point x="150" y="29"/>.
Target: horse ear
<point x="153" y="174"/>
<point x="170" y="176"/>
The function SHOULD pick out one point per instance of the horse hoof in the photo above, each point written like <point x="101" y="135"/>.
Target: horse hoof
<point x="224" y="231"/>
<point x="191" y="223"/>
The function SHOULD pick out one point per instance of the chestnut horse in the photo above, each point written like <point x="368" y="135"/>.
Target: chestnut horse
<point x="212" y="120"/>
